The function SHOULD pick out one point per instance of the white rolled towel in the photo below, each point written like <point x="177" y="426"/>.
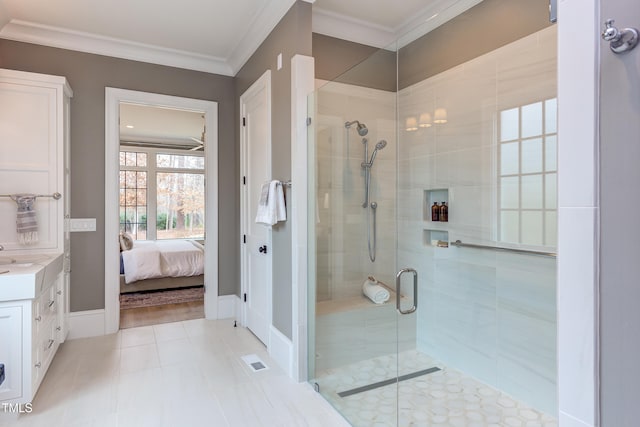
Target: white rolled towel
<point x="375" y="292"/>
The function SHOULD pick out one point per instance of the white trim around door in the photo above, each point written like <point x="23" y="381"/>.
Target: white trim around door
<point x="113" y="98"/>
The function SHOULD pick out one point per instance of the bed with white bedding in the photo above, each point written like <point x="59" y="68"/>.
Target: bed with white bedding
<point x="162" y="264"/>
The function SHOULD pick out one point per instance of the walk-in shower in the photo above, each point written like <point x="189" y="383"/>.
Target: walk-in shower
<point x="480" y="347"/>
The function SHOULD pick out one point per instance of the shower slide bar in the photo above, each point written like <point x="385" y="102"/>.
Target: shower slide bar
<point x="460" y="244"/>
<point x="56" y="195"/>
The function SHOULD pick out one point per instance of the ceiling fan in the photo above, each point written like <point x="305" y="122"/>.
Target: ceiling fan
<point x="200" y="142"/>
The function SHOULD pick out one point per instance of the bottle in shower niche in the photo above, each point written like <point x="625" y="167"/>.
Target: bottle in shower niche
<point x="435" y="212"/>
<point x="444" y="212"/>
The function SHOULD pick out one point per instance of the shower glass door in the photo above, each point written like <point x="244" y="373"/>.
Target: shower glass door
<point x="457" y="146"/>
<point x="353" y="343"/>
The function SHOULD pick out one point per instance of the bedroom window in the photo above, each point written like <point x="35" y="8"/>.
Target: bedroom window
<point x="133" y="194"/>
<point x="527" y="171"/>
<point x="162" y="194"/>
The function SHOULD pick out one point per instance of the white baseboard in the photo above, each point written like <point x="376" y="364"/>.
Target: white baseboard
<point x="228" y="306"/>
<point x="281" y="350"/>
<point x="84" y="324"/>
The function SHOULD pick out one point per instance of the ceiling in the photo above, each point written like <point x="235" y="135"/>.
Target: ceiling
<point x="216" y="36"/>
<point x="161" y="127"/>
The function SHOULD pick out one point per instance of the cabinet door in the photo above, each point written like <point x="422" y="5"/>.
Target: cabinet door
<point x="11" y="352"/>
<point x="30" y="158"/>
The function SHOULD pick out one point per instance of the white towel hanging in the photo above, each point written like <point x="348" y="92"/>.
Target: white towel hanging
<point x="271" y="206"/>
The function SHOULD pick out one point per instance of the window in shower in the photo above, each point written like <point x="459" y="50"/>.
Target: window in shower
<point x="527" y="174"/>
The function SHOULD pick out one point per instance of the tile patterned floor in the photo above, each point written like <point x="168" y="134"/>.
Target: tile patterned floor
<point x="183" y="374"/>
<point x="446" y="398"/>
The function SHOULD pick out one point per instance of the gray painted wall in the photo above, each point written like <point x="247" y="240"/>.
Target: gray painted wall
<point x="88" y="75"/>
<point x="354" y="63"/>
<point x="481" y="29"/>
<point x="490" y="25"/>
<point x="292" y="36"/>
<point x="619" y="229"/>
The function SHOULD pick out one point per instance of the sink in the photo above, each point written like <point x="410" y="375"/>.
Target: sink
<point x="24" y="276"/>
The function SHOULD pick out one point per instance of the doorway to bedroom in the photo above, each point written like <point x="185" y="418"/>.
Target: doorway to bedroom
<point x="161" y="214"/>
<point x="161" y="151"/>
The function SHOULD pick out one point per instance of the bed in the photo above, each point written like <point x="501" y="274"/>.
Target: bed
<point x="161" y="264"/>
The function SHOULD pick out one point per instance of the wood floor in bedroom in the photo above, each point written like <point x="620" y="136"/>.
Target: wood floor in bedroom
<point x="155" y="315"/>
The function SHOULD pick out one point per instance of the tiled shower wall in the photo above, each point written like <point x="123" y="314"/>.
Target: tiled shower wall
<point x="341" y="222"/>
<point x="491" y="315"/>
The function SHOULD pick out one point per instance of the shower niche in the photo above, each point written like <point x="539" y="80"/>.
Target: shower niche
<point x="436" y="208"/>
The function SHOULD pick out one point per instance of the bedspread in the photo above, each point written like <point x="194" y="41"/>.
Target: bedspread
<point x="163" y="258"/>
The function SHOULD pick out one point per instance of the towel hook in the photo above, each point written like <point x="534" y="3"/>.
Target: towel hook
<point x="620" y="41"/>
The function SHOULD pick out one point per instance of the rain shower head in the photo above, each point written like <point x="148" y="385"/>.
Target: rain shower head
<point x="361" y="128"/>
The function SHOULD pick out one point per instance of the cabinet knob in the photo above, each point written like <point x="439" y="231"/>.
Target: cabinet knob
<point x="37" y="365"/>
<point x="59" y="292"/>
<point x="39" y="318"/>
<point x="59" y="328"/>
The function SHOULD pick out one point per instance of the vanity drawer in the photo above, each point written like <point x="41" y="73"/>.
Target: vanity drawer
<point x="44" y="348"/>
<point x="44" y="309"/>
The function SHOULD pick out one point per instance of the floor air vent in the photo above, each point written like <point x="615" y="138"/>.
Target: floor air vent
<point x="254" y="362"/>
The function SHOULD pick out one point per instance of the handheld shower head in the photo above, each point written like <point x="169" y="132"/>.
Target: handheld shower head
<point x="361" y="128"/>
<point x="379" y="146"/>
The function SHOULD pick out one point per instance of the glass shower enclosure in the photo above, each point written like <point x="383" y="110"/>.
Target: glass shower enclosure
<point x="432" y="201"/>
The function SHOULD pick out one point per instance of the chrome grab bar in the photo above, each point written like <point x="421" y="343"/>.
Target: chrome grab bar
<point x="414" y="307"/>
<point x="461" y="244"/>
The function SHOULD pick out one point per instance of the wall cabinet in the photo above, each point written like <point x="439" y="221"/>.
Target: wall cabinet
<point x="34" y="158"/>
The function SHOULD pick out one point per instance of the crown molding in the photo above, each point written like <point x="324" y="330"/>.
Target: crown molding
<point x="430" y="18"/>
<point x="358" y="31"/>
<point x="90" y="43"/>
<point x="351" y="29"/>
<point x="262" y="25"/>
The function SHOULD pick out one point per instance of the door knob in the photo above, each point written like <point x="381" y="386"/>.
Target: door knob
<point x="263" y="249"/>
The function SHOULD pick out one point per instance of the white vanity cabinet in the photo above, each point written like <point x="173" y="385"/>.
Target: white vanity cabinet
<point x="30" y="334"/>
<point x="34" y="291"/>
<point x="11" y="350"/>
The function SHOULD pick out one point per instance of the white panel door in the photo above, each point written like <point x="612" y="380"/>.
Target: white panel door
<point x="255" y="106"/>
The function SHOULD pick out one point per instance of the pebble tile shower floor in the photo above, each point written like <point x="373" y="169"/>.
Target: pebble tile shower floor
<point x="446" y="398"/>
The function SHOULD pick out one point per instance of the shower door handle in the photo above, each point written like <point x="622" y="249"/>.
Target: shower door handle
<point x="414" y="307"/>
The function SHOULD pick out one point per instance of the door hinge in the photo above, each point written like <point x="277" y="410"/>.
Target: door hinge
<point x="244" y="121"/>
<point x="245" y="297"/>
<point x="244" y="238"/>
